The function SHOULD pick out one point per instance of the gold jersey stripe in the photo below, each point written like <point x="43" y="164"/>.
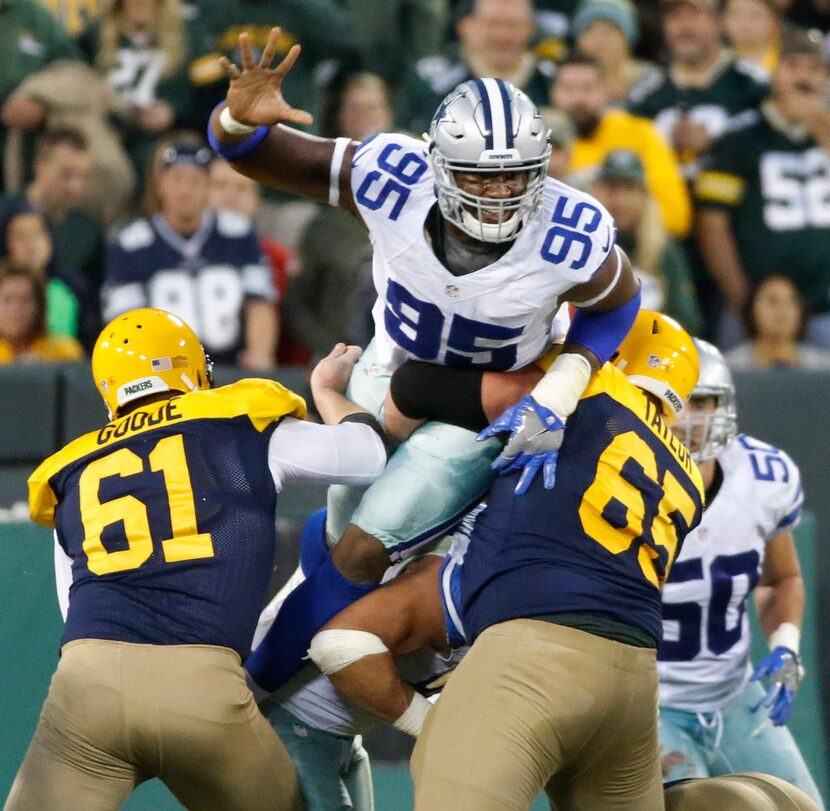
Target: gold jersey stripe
<point x="719" y="187"/>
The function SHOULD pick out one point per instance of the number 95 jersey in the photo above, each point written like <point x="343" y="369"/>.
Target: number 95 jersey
<point x="704" y="656"/>
<point x="499" y="317"/>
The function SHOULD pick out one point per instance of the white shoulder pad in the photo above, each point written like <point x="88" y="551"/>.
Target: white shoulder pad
<point x="440" y="74"/>
<point x="777" y="481"/>
<point x="753" y="70"/>
<point x="137" y="235"/>
<point x="232" y="224"/>
<point x="647" y="85"/>
<point x="742" y="121"/>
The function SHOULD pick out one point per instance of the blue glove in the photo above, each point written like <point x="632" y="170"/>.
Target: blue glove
<point x="783" y="669"/>
<point x="536" y="433"/>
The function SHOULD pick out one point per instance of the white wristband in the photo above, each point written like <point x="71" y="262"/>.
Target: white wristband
<point x="786" y="635"/>
<point x="562" y="386"/>
<point x="414" y="716"/>
<point x="231" y="125"/>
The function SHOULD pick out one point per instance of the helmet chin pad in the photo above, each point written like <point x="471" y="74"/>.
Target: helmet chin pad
<point x="490" y="231"/>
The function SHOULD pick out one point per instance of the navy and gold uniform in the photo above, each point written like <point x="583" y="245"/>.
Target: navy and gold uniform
<point x="604" y="538"/>
<point x="168" y="515"/>
<point x="167" y="519"/>
<point x="560" y="593"/>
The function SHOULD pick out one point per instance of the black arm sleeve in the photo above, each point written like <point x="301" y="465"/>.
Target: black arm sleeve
<point x="424" y="391"/>
<point x="367" y="419"/>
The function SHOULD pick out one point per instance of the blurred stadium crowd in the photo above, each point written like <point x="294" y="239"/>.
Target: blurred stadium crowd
<point x="702" y="126"/>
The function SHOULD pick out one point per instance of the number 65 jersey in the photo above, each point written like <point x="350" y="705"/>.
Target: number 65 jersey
<point x="704" y="657"/>
<point x="499" y="317"/>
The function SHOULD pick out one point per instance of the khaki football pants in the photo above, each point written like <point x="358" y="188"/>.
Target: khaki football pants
<point x="119" y="713"/>
<point x="737" y="792"/>
<point x="535" y="705"/>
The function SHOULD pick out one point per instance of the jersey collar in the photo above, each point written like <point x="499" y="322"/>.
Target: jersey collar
<point x="189" y="247"/>
<point x="795" y="132"/>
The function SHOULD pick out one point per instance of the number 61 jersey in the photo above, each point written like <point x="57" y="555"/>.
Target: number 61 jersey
<point x="704" y="656"/>
<point x="499" y="317"/>
<point x="168" y="515"/>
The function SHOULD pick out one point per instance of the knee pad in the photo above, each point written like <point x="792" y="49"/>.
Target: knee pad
<point x="737" y="792"/>
<point x="336" y="649"/>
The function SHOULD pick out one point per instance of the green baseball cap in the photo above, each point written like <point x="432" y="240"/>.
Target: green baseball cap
<point x="623" y="164"/>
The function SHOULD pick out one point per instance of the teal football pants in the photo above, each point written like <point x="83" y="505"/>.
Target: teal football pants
<point x="334" y="772"/>
<point x="429" y="483"/>
<point x="713" y="744"/>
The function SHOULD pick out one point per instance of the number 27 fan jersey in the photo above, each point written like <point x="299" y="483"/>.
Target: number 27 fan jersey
<point x="499" y="317"/>
<point x="703" y="659"/>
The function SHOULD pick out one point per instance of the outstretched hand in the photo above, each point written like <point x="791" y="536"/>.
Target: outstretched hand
<point x="255" y="95"/>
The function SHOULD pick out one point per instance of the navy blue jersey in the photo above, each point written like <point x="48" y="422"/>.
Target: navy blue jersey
<point x="168" y="515"/>
<point x="603" y="539"/>
<point x="205" y="279"/>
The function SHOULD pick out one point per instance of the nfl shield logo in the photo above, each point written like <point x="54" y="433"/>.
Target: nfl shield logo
<point x="451" y="290"/>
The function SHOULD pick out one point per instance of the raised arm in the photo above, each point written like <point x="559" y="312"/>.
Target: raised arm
<point x="249" y="131"/>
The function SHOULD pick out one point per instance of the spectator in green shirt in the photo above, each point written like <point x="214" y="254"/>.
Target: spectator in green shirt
<point x="495" y="39"/>
<point x="142" y="49"/>
<point x="330" y="299"/>
<point x="30" y="38"/>
<point x="397" y="33"/>
<point x="657" y="259"/>
<point x="30" y="248"/>
<point x="61" y="172"/>
<point x="323" y="28"/>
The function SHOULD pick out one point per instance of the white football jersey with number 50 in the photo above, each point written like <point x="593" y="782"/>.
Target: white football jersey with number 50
<point x="704" y="657"/>
<point x="499" y="317"/>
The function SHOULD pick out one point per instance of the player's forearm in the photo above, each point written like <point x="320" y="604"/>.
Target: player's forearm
<point x="374" y="684"/>
<point x="332" y="406"/>
<point x="288" y="160"/>
<point x="779" y="603"/>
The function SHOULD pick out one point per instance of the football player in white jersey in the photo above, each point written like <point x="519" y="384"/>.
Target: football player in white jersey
<point x="714" y="715"/>
<point x="475" y="250"/>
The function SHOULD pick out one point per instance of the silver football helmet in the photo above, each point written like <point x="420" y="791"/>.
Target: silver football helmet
<point x="487" y="126"/>
<point x="707" y="434"/>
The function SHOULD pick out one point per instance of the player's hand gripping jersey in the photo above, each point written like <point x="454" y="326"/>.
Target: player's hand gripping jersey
<point x="604" y="539"/>
<point x="168" y="515"/>
<point x="499" y="317"/>
<point x="704" y="657"/>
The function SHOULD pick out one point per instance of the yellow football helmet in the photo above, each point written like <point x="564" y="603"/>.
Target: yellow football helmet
<point x="146" y="351"/>
<point x="658" y="355"/>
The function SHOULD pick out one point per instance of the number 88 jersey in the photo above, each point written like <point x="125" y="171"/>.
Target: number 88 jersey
<point x="704" y="656"/>
<point x="499" y="317"/>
